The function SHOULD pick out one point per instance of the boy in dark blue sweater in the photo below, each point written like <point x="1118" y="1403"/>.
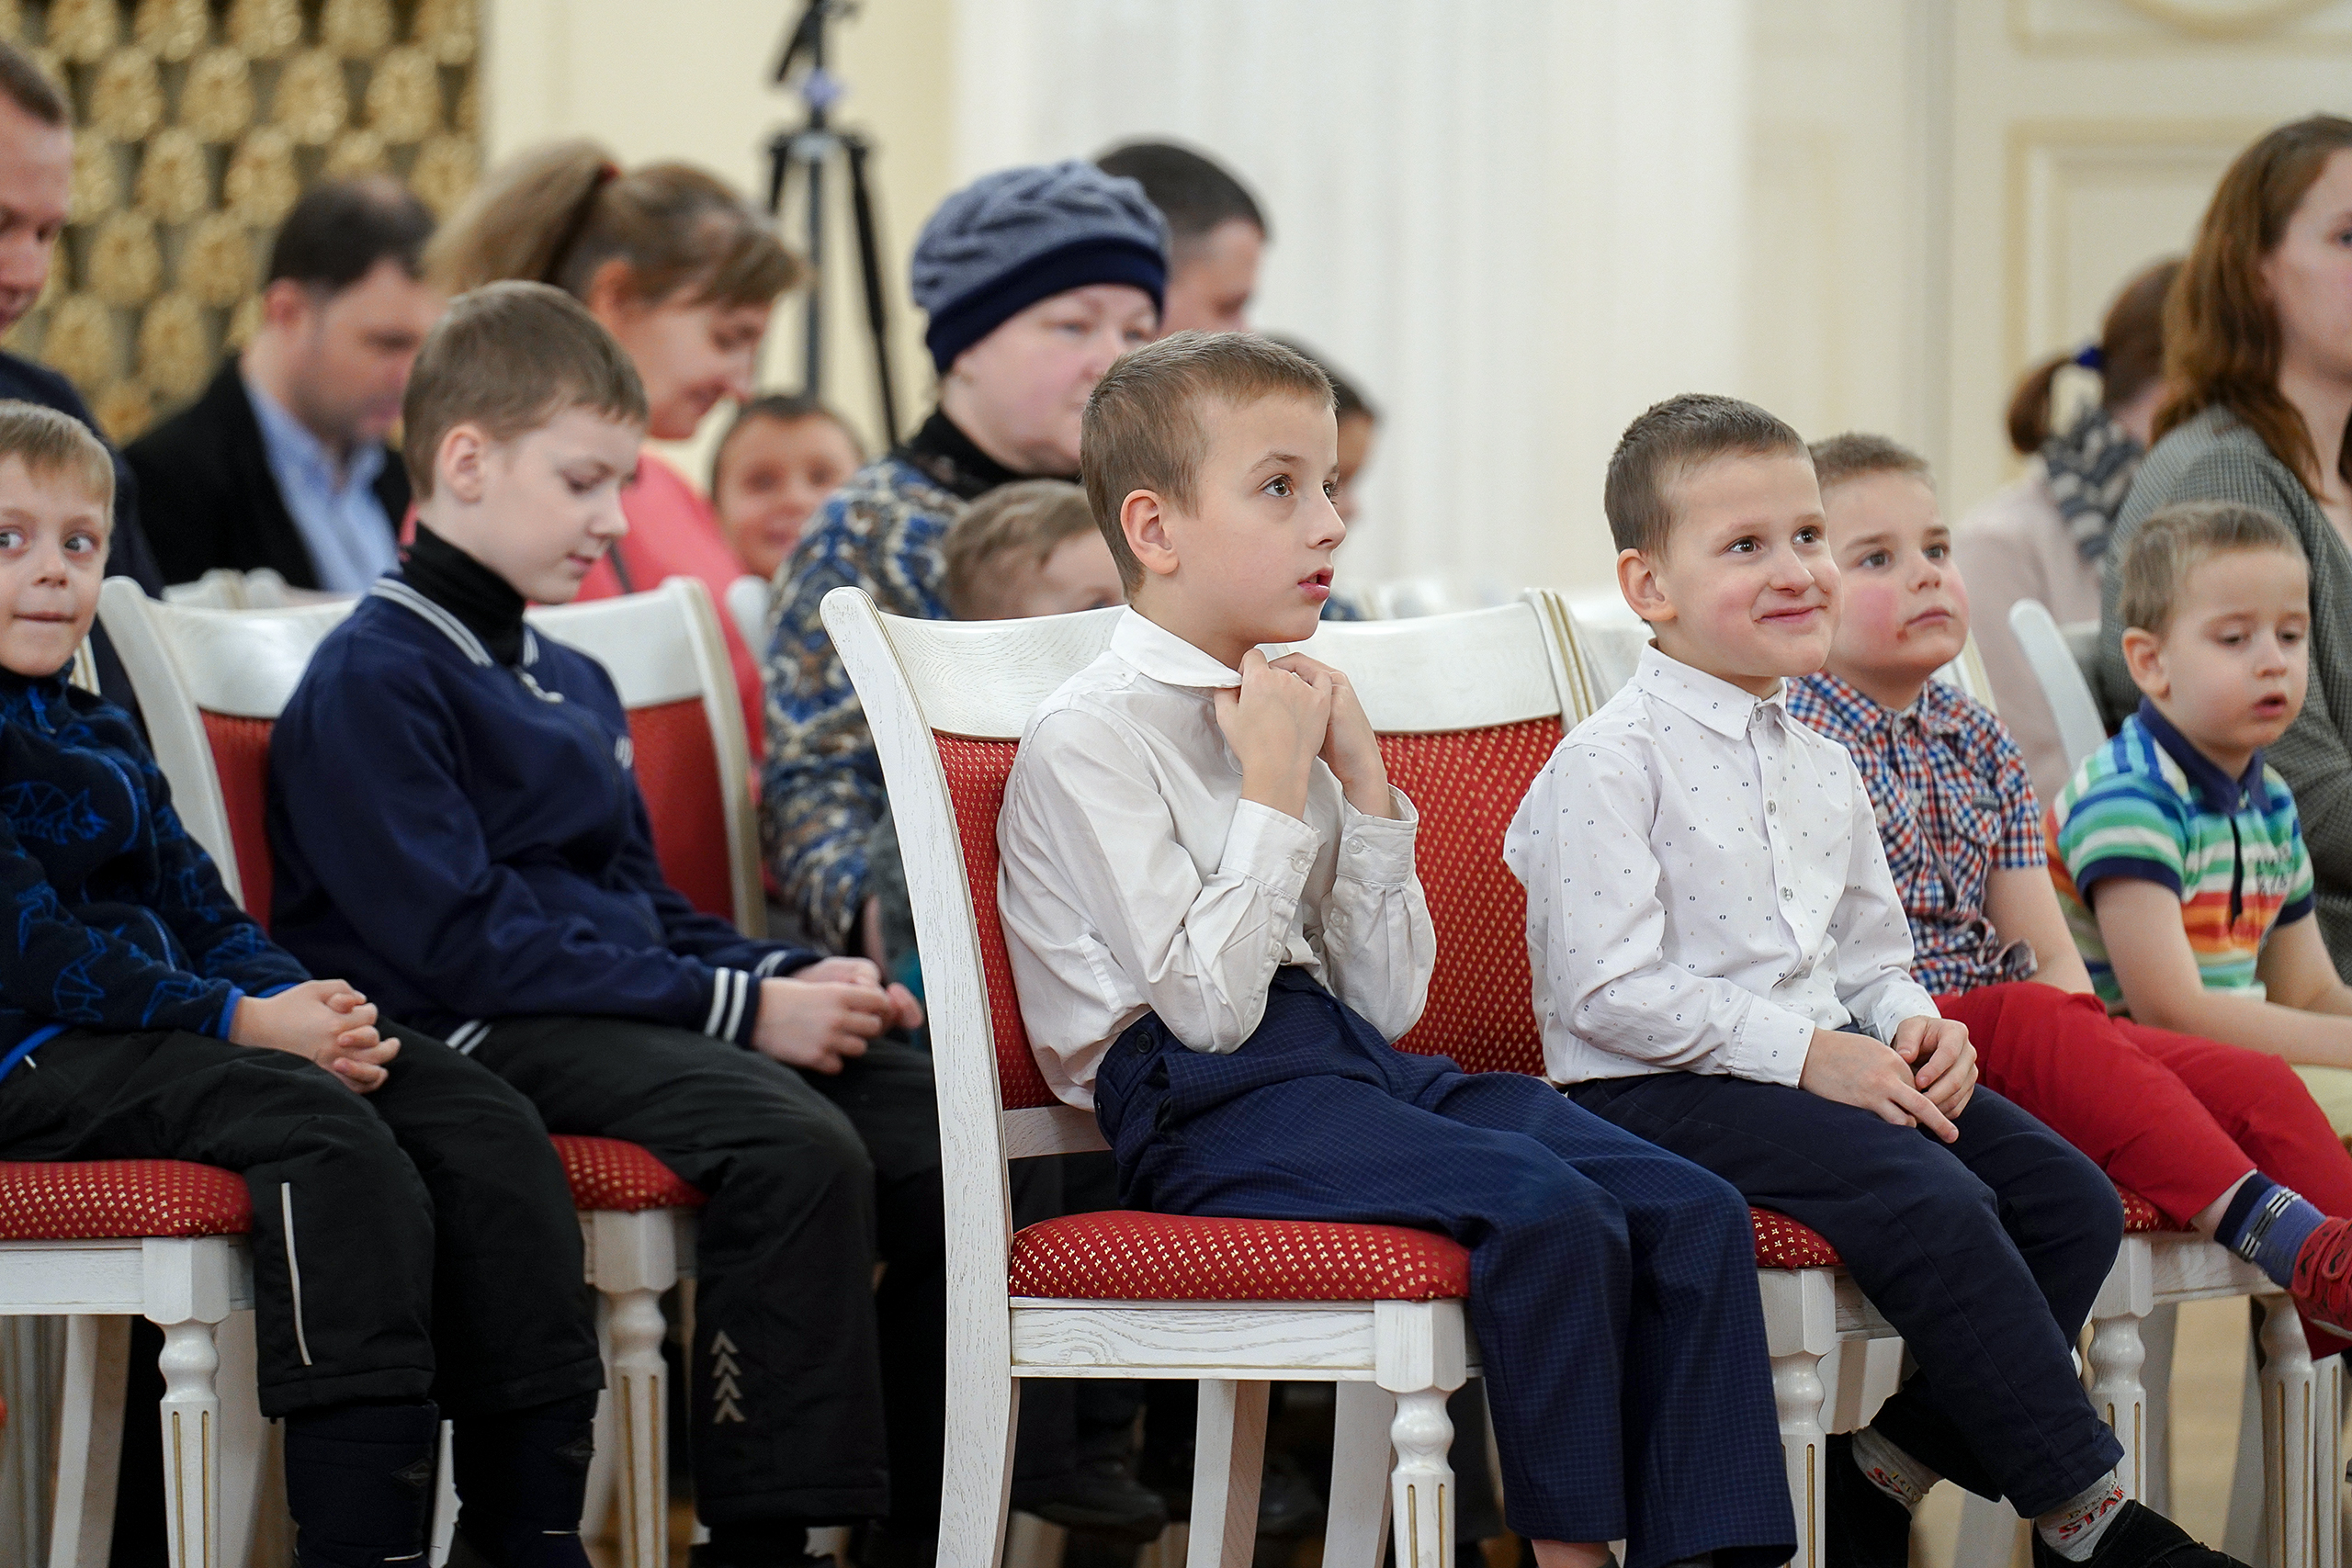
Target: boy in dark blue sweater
<point x="457" y="825"/>
<point x="414" y="1246"/>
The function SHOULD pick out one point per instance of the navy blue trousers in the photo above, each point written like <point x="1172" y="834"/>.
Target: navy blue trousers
<point x="1985" y="1255"/>
<point x="1613" y="1285"/>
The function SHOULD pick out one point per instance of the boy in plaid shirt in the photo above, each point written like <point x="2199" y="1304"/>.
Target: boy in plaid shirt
<point x="2217" y="1135"/>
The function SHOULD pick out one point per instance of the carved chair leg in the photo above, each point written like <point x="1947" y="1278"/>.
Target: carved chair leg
<point x="641" y="1413"/>
<point x="1798" y="1393"/>
<point x="983" y="1408"/>
<point x="191" y="1416"/>
<point x="2288" y="1384"/>
<point x="1228" y="1460"/>
<point x="1420" y="1355"/>
<point x="1358" y="1516"/>
<point x="2117" y="1354"/>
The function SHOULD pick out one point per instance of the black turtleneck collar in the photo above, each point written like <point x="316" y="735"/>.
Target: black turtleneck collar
<point x="478" y="596"/>
<point x="954" y="462"/>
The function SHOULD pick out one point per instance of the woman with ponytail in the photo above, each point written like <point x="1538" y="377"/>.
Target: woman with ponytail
<point x="679" y="269"/>
<point x="2258" y="373"/>
<point x="2046" y="537"/>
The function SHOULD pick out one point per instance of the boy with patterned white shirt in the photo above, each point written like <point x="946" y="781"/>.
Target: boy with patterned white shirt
<point x="1722" y="964"/>
<point x="1210" y="905"/>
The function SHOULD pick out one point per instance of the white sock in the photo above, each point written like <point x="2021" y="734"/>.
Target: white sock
<point x="2072" y="1528"/>
<point x="1892" y="1470"/>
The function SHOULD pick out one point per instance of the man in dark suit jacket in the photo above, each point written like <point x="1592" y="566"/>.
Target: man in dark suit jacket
<point x="281" y="463"/>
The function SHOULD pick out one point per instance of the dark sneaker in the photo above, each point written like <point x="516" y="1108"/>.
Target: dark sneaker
<point x="2323" y="1280"/>
<point x="1103" y="1499"/>
<point x="2141" y="1537"/>
<point x="1867" y="1527"/>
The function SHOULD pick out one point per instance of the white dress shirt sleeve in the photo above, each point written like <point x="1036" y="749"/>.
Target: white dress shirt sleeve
<point x="1606" y="933"/>
<point x="1085" y="812"/>
<point x="1874" y="934"/>
<point x="1372" y="929"/>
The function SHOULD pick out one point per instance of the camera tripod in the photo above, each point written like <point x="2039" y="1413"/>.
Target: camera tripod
<point x="812" y="149"/>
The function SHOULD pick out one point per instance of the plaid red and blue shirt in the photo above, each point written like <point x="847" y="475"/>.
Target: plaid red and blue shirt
<point x="1954" y="801"/>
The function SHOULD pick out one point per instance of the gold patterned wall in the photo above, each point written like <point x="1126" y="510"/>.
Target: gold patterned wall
<point x="197" y="123"/>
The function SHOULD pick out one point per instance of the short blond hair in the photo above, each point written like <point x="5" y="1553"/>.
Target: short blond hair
<point x="1013" y="527"/>
<point x="1143" y="428"/>
<point x="509" y="358"/>
<point x="2173" y="542"/>
<point x="53" y="446"/>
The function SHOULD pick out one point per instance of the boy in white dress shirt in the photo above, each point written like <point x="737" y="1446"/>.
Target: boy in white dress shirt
<point x="1722" y="966"/>
<point x="1209" y="898"/>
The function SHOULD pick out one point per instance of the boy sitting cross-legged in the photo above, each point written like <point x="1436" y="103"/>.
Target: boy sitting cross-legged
<point x="2178" y="856"/>
<point x="1722" y="965"/>
<point x="412" y="1246"/>
<point x="1210" y="904"/>
<point x="456" y="821"/>
<point x="2221" y="1137"/>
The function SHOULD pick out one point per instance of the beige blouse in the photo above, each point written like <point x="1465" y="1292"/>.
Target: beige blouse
<point x="2015" y="546"/>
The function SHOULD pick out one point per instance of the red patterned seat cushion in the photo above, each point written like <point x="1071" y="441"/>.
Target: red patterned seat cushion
<point x="103" y="1199"/>
<point x="1123" y="1256"/>
<point x="1781" y="1243"/>
<point x="2141" y="1216"/>
<point x="976" y="774"/>
<point x="618" y="1178"/>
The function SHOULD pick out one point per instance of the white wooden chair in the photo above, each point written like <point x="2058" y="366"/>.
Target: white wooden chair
<point x="212" y="683"/>
<point x="747" y="601"/>
<point x="2052" y="656"/>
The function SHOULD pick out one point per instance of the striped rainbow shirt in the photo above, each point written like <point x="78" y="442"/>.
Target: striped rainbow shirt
<point x="2149" y="805"/>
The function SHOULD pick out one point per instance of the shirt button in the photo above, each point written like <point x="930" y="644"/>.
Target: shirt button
<point x="1771" y="809"/>
<point x="1785" y="894"/>
<point x="1355" y="846"/>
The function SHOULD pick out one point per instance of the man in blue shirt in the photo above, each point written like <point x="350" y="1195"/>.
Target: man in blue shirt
<point x="281" y="462"/>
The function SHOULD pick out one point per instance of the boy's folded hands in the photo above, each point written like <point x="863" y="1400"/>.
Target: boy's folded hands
<point x="1287" y="713"/>
<point x="323" y="1022"/>
<point x="1854" y="1069"/>
<point x="825" y="1014"/>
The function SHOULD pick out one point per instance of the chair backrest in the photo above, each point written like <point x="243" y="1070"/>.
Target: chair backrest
<point x="2048" y="650"/>
<point x="693" y="764"/>
<point x="212" y="682"/>
<point x="747" y="601"/>
<point x="1968" y="673"/>
<point x="1468" y="707"/>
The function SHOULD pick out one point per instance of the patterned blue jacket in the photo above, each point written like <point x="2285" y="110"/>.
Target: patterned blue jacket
<point x="121" y="921"/>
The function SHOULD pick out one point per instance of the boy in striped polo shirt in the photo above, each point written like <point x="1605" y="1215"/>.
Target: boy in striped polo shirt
<point x="2178" y="856"/>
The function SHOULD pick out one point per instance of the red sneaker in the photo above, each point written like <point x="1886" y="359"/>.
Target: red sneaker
<point x="2323" y="1280"/>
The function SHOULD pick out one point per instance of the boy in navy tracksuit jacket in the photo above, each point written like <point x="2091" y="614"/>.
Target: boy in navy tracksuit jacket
<point x="456" y="822"/>
<point x="414" y="1246"/>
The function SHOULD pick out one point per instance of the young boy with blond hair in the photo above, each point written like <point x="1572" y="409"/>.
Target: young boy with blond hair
<point x="1027" y="548"/>
<point x="412" y="1246"/>
<point x="2219" y="1137"/>
<point x="491" y="867"/>
<point x="1722" y="967"/>
<point x="1210" y="904"/>
<point x="2177" y="853"/>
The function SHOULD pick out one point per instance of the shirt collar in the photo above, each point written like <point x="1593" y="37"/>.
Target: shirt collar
<point x="1162" y="656"/>
<point x="1714" y="701"/>
<point x="293" y="442"/>
<point x="2221" y="792"/>
<point x="1933" y="710"/>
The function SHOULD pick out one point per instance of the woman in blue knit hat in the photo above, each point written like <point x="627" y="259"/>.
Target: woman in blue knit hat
<point x="1036" y="279"/>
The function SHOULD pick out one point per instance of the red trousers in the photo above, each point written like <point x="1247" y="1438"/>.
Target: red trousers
<point x="2173" y="1117"/>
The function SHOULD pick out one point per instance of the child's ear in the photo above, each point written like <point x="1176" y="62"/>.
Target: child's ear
<point x="1144" y="521"/>
<point x="460" y="464"/>
<point x="2143" y="655"/>
<point x="1645" y="593"/>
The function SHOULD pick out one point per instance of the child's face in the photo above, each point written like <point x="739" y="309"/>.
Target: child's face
<point x="772" y="475"/>
<point x="1745" y="588"/>
<point x="1903" y="611"/>
<point x="546" y="505"/>
<point x="1078" y="575"/>
<point x="52" y="557"/>
<point x="2230" y="669"/>
<point x="1250" y="563"/>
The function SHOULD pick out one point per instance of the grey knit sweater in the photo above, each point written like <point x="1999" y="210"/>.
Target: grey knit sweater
<point x="2215" y="458"/>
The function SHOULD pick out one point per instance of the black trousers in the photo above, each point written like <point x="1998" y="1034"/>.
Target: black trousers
<point x="1986" y="1254"/>
<point x="836" y="1407"/>
<point x="429" y="1223"/>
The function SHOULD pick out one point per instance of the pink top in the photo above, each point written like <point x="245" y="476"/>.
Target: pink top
<point x="673" y="533"/>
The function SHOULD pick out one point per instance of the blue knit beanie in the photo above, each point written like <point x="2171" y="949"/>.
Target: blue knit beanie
<point x="1012" y="238"/>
